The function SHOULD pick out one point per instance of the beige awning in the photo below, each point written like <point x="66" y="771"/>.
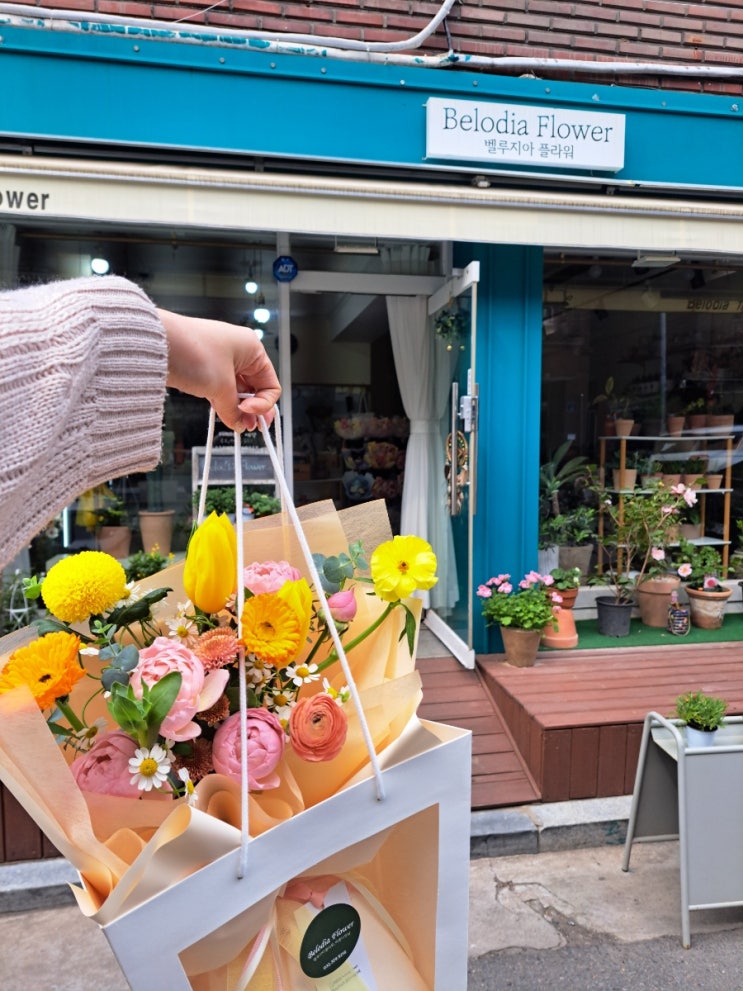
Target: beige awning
<point x="181" y="197"/>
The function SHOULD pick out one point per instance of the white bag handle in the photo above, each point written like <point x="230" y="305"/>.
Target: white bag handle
<point x="288" y="506"/>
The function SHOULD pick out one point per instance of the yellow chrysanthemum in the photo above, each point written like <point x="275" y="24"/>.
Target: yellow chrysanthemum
<point x="83" y="585"/>
<point x="402" y="565"/>
<point x="272" y="628"/>
<point x="48" y="666"/>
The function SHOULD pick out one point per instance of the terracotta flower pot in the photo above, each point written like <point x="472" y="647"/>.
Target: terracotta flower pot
<point x="520" y="646"/>
<point x="654" y="598"/>
<point x="114" y="540"/>
<point x="566" y="634"/>
<point x="707" y="609"/>
<point x="157" y="530"/>
<point x="675" y="425"/>
<point x="624" y="479"/>
<point x="623" y="427"/>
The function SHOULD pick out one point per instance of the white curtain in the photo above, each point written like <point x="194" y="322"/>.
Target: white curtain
<point x="424" y="383"/>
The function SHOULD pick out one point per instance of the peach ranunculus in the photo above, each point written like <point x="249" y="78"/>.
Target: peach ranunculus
<point x="105" y="767"/>
<point x="268" y="576"/>
<point x="199" y="690"/>
<point x="317" y="728"/>
<point x="265" y="747"/>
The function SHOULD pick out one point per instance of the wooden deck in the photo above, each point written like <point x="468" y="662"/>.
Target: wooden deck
<point x="576" y="718"/>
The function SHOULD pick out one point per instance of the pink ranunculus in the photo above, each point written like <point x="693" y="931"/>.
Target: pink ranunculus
<point x="198" y="690"/>
<point x="265" y="747"/>
<point x="342" y="605"/>
<point x="268" y="576"/>
<point x="105" y="767"/>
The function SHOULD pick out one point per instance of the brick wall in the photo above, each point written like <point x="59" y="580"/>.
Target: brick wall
<point x="666" y="31"/>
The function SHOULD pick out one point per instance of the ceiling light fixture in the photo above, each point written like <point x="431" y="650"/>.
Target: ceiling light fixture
<point x="251" y="286"/>
<point x="261" y="313"/>
<point x="350" y="246"/>
<point x="650" y="260"/>
<point x="99" y="265"/>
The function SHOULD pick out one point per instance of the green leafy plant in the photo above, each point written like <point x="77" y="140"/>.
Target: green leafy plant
<point x="529" y="606"/>
<point x="142" y="564"/>
<point x="262" y="504"/>
<point x="218" y="499"/>
<point x="701" y="711"/>
<point x="617" y="405"/>
<point x="565" y="578"/>
<point x="637" y="533"/>
<point x="699" y="566"/>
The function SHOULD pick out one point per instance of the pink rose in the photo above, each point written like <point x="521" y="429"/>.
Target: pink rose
<point x="265" y="747"/>
<point x="198" y="691"/>
<point x="105" y="767"/>
<point x="317" y="728"/>
<point x="342" y="605"/>
<point x="268" y="576"/>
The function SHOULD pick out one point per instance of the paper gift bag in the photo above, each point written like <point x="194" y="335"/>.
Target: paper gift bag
<point x="419" y="835"/>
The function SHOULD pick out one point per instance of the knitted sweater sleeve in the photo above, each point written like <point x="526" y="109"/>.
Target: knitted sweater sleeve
<point x="82" y="387"/>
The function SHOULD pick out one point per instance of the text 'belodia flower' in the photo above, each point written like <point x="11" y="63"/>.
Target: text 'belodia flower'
<point x="48" y="666"/>
<point x="402" y="565"/>
<point x="210" y="571"/>
<point x="83" y="585"/>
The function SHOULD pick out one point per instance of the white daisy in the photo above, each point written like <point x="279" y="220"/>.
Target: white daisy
<point x="132" y="593"/>
<point x="188" y="786"/>
<point x="150" y="767"/>
<point x="302" y="674"/>
<point x="183" y="629"/>
<point x="340" y="696"/>
<point x="89" y="651"/>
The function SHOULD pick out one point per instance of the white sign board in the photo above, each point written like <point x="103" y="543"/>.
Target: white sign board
<point x="523" y="135"/>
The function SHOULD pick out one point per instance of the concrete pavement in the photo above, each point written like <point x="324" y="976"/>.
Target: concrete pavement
<point x="553" y="905"/>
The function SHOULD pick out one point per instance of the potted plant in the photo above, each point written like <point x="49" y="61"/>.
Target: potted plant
<point x="142" y="564"/>
<point x="636" y="540"/>
<point x="618" y="408"/>
<point x="156" y="522"/>
<point x="577" y="537"/>
<point x="262" y="504"/>
<point x="696" y="413"/>
<point x="702" y="715"/>
<point x="700" y="567"/>
<point x="561" y="632"/>
<point x="112" y="531"/>
<point x="694" y="471"/>
<point x="555" y="475"/>
<point x="521" y="612"/>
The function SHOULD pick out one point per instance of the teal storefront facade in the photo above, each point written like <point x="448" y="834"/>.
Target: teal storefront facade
<point x="124" y="124"/>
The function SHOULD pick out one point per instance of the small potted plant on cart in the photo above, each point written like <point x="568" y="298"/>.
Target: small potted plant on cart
<point x="702" y="716"/>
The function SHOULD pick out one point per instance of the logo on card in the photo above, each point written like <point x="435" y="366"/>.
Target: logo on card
<point x="329" y="940"/>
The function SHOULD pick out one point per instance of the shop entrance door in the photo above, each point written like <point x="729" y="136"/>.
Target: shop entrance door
<point x="453" y="310"/>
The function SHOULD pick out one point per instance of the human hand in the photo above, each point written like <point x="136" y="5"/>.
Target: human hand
<point x="218" y="361"/>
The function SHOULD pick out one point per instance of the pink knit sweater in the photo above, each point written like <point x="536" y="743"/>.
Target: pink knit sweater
<point x="82" y="386"/>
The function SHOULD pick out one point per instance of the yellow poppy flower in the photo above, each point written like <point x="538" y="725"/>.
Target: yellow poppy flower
<point x="402" y="565"/>
<point x="48" y="666"/>
<point x="210" y="571"/>
<point x="83" y="585"/>
<point x="272" y="628"/>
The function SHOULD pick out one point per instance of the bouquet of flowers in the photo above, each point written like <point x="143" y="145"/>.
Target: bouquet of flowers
<point x="155" y="707"/>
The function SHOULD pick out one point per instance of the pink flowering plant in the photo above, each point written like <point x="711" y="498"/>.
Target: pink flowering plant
<point x="700" y="566"/>
<point x="529" y="605"/>
<point x="143" y="701"/>
<point x="638" y="533"/>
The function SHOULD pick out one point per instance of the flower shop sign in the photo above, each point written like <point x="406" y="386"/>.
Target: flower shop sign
<point x="524" y="135"/>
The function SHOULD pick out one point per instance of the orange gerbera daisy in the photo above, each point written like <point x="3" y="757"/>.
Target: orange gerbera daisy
<point x="272" y="629"/>
<point x="49" y="667"/>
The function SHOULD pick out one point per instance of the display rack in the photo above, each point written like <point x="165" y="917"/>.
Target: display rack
<point x="677" y="447"/>
<point x="695" y="795"/>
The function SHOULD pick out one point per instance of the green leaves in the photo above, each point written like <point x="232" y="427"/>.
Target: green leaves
<point x="335" y="570"/>
<point x="141" y="718"/>
<point x="138" y="611"/>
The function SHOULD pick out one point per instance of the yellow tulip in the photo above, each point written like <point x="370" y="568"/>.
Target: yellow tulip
<point x="210" y="572"/>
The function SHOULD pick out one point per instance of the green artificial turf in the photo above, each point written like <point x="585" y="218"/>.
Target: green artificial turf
<point x="640" y="635"/>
